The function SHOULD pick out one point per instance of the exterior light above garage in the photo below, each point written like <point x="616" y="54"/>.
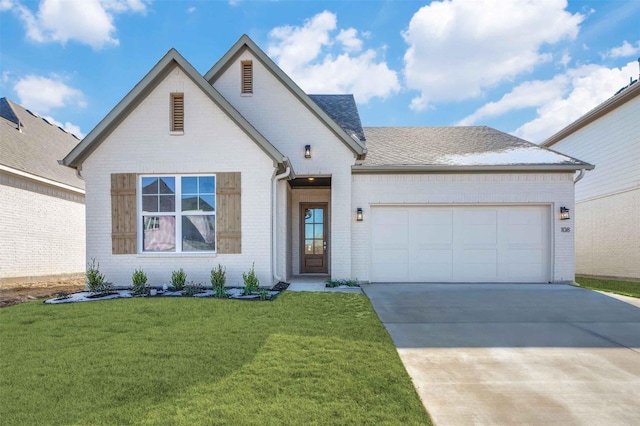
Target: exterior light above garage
<point x="307" y="151"/>
<point x="564" y="213"/>
<point x="359" y="214"/>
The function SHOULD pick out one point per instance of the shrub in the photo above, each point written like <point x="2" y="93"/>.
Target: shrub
<point x="139" y="279"/>
<point x="96" y="282"/>
<point x="338" y="283"/>
<point x="263" y="293"/>
<point x="178" y="278"/>
<point x="192" y="288"/>
<point x="218" y="281"/>
<point x="250" y="281"/>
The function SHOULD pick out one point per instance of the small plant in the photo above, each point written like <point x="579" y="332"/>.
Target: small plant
<point x="139" y="279"/>
<point x="250" y="281"/>
<point x="338" y="283"/>
<point x="218" y="281"/>
<point x="62" y="295"/>
<point x="263" y="293"/>
<point x="192" y="288"/>
<point x="96" y="282"/>
<point x="178" y="278"/>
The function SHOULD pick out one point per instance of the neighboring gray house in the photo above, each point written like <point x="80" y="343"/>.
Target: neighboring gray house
<point x="607" y="210"/>
<point x="42" y="225"/>
<point x="240" y="166"/>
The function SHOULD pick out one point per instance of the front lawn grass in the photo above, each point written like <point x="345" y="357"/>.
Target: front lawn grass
<point x="626" y="288"/>
<point x="306" y="358"/>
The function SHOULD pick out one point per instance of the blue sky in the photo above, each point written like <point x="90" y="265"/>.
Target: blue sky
<point x="524" y="67"/>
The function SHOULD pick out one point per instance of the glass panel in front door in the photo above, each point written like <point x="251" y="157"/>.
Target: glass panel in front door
<point x="314" y="231"/>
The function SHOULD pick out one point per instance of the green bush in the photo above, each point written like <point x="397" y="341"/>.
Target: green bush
<point x="192" y="288"/>
<point x="96" y="281"/>
<point x="338" y="283"/>
<point x="218" y="281"/>
<point x="139" y="279"/>
<point x="178" y="278"/>
<point x="251" y="281"/>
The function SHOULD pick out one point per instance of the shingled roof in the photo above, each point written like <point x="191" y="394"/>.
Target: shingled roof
<point x="473" y="147"/>
<point x="343" y="110"/>
<point x="30" y="144"/>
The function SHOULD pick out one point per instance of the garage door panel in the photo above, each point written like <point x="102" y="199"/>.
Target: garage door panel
<point x="477" y="272"/>
<point x="433" y="234"/>
<point x="525" y="256"/>
<point x="391" y="235"/>
<point x="438" y="270"/>
<point x="461" y="244"/>
<point x="480" y="256"/>
<point x="524" y="273"/>
<point x="391" y="271"/>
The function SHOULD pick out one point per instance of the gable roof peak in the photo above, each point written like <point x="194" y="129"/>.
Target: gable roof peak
<point x="245" y="42"/>
<point x="139" y="92"/>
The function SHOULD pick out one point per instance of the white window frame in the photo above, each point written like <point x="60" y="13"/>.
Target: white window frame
<point x="177" y="213"/>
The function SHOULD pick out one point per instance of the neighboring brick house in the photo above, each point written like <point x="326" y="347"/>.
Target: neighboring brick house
<point x="240" y="166"/>
<point x="607" y="198"/>
<point x="42" y="225"/>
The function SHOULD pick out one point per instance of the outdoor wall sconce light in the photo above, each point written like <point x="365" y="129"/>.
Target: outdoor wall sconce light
<point x="359" y="214"/>
<point x="307" y="151"/>
<point x="564" y="213"/>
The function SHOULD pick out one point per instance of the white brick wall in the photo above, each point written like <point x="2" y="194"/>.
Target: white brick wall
<point x="211" y="143"/>
<point x="289" y="126"/>
<point x="42" y="229"/>
<point x="607" y="237"/>
<point x="555" y="189"/>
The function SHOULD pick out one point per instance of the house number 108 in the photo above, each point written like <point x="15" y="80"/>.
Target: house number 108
<point x="565" y="229"/>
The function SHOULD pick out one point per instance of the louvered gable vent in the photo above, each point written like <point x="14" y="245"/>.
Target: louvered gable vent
<point x="177" y="112"/>
<point x="247" y="77"/>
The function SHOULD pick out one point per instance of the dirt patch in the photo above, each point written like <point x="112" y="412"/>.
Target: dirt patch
<point x="14" y="293"/>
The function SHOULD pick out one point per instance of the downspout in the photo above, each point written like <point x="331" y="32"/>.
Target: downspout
<point x="274" y="219"/>
<point x="580" y="176"/>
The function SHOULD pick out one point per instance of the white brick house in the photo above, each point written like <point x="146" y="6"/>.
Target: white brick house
<point x="240" y="166"/>
<point x="608" y="198"/>
<point x="42" y="226"/>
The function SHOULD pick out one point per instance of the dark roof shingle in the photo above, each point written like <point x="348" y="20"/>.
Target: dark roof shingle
<point x="37" y="148"/>
<point x="343" y="110"/>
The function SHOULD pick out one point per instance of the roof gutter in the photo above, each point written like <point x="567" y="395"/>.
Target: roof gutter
<point x="274" y="219"/>
<point x="456" y="169"/>
<point x="580" y="176"/>
<point x="41" y="179"/>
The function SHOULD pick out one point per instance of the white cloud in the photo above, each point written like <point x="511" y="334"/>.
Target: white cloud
<point x="304" y="53"/>
<point x="41" y="94"/>
<point x="5" y="5"/>
<point x="85" y="21"/>
<point x="624" y="50"/>
<point x="526" y="95"/>
<point x="349" y="39"/>
<point x="191" y="9"/>
<point x="586" y="87"/>
<point x="69" y="127"/>
<point x="457" y="48"/>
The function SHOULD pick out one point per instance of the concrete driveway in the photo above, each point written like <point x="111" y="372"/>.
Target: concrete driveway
<point x="509" y="354"/>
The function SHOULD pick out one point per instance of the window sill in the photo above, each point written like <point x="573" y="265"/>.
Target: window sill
<point x="174" y="254"/>
<point x="246" y="95"/>
<point x="176" y="133"/>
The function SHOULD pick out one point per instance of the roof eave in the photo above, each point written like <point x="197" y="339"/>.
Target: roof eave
<point x="145" y="86"/>
<point x="456" y="169"/>
<point x="356" y="146"/>
<point x="602" y="109"/>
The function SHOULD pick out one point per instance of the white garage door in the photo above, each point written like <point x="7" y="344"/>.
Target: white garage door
<point x="460" y="244"/>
